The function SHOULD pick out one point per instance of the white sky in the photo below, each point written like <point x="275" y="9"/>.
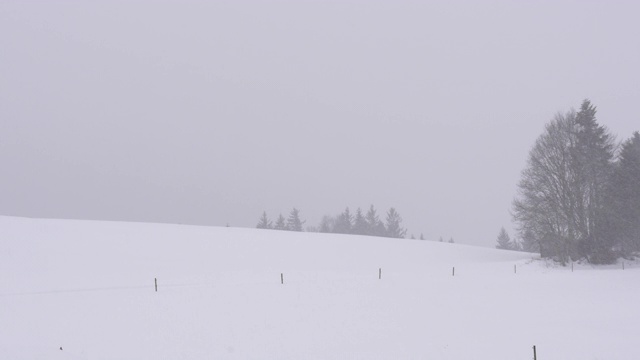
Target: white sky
<point x="211" y="112"/>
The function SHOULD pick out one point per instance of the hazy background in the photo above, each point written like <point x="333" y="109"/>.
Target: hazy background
<point x="210" y="112"/>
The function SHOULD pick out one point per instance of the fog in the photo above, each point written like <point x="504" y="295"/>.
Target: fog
<point x="210" y="113"/>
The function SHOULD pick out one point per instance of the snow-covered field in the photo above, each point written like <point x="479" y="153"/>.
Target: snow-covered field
<point x="88" y="287"/>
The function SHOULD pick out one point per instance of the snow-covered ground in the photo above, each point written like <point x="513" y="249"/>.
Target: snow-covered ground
<point x="88" y="287"/>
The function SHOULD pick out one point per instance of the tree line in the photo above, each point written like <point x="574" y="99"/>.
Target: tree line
<point x="345" y="223"/>
<point x="292" y="223"/>
<point x="579" y="194"/>
<point x="342" y="223"/>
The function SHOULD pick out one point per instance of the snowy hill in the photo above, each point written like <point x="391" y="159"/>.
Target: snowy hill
<point x="88" y="287"/>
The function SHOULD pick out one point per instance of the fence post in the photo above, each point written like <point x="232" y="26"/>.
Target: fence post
<point x="156" y="282"/>
<point x="282" y="278"/>
<point x="379" y="273"/>
<point x="453" y="271"/>
<point x="514" y="269"/>
<point x="534" y="353"/>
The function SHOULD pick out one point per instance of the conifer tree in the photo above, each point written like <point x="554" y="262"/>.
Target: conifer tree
<point x="394" y="229"/>
<point x="594" y="164"/>
<point x="360" y="225"/>
<point x="504" y="242"/>
<point x="374" y="225"/>
<point x="281" y="223"/>
<point x="622" y="209"/>
<point x="264" y="222"/>
<point x="344" y="223"/>
<point x="293" y="222"/>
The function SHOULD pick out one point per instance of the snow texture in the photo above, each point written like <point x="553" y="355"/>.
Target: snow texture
<point x="87" y="288"/>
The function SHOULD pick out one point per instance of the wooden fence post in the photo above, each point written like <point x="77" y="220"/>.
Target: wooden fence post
<point x="282" y="278"/>
<point x="535" y="357"/>
<point x="379" y="273"/>
<point x="156" y="282"/>
<point x="453" y="271"/>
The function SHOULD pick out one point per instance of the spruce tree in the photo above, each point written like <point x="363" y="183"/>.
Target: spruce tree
<point x="281" y="223"/>
<point x="264" y="222"/>
<point x="504" y="242"/>
<point x="622" y="208"/>
<point x="344" y="223"/>
<point x="394" y="229"/>
<point x="374" y="226"/>
<point x="360" y="225"/>
<point x="593" y="157"/>
<point x="293" y="222"/>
